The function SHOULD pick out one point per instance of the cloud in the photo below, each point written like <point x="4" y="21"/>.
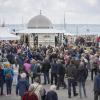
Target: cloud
<point x="78" y="11"/>
<point x="92" y="2"/>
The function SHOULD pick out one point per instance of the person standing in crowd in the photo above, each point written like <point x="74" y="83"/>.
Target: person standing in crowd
<point x="51" y="94"/>
<point x="27" y="67"/>
<point x="2" y="79"/>
<point x="22" y="85"/>
<point x="94" y="66"/>
<point x="35" y="70"/>
<point x="11" y="58"/>
<point x="82" y="76"/>
<point x="54" y="72"/>
<point x="30" y="95"/>
<point x="71" y="72"/>
<point x="45" y="69"/>
<point x="60" y="74"/>
<point x="66" y="57"/>
<point x="38" y="89"/>
<point x="97" y="86"/>
<point x="20" y="60"/>
<point x="8" y="72"/>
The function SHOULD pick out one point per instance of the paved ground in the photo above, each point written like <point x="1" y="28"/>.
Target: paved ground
<point x="62" y="93"/>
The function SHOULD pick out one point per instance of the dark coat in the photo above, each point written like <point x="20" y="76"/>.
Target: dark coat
<point x="22" y="87"/>
<point x="71" y="71"/>
<point x="60" y="69"/>
<point x="11" y="58"/>
<point x="46" y="66"/>
<point x="97" y="83"/>
<point x="51" y="95"/>
<point x="2" y="77"/>
<point x="82" y="74"/>
<point x="54" y="68"/>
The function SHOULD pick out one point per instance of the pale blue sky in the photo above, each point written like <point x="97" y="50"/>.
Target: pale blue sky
<point x="76" y="11"/>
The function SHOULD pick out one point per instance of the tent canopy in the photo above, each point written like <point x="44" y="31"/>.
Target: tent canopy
<point x="68" y="34"/>
<point x="6" y="35"/>
<point x="39" y="31"/>
<point x="93" y="33"/>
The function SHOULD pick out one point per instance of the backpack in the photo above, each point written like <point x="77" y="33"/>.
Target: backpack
<point x="8" y="74"/>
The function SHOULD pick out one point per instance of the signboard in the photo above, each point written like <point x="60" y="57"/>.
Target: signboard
<point x="46" y="39"/>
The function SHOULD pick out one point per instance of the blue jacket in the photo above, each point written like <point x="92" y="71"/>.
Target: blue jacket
<point x="10" y="71"/>
<point x="51" y="95"/>
<point x="97" y="83"/>
<point x="22" y="87"/>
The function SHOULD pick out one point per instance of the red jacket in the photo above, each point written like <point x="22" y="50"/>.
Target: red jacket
<point x="30" y="97"/>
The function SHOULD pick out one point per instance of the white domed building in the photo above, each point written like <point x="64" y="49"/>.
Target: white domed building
<point x="40" y="21"/>
<point x="40" y="31"/>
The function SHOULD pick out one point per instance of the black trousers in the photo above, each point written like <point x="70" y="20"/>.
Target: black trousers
<point x="60" y="81"/>
<point x="71" y="83"/>
<point x="93" y="71"/>
<point x="9" y="86"/>
<point x="46" y="78"/>
<point x="1" y="86"/>
<point x="96" y="95"/>
<point x="54" y="78"/>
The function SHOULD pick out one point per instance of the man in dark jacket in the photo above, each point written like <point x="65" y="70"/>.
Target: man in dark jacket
<point x="1" y="80"/>
<point x="81" y="77"/>
<point x="71" y="72"/>
<point x="11" y="58"/>
<point x="54" y="72"/>
<point x="60" y="74"/>
<point x="45" y="69"/>
<point x="97" y="86"/>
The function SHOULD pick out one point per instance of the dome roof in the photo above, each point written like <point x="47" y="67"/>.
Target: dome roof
<point x="40" y="21"/>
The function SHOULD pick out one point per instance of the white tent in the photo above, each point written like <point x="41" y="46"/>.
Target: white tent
<point x="6" y="35"/>
<point x="70" y="34"/>
<point x="39" y="31"/>
<point x="86" y="34"/>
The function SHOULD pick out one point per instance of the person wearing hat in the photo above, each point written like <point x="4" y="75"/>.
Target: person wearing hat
<point x="51" y="94"/>
<point x="1" y="79"/>
<point x="30" y="95"/>
<point x="22" y="85"/>
<point x="8" y="72"/>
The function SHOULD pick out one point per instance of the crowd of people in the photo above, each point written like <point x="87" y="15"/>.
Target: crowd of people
<point x="25" y="67"/>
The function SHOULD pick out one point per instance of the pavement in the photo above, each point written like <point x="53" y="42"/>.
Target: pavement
<point x="62" y="93"/>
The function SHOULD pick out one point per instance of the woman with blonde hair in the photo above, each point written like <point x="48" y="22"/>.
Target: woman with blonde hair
<point x="8" y="72"/>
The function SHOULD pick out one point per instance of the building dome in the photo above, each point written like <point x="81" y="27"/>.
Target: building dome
<point x="40" y="21"/>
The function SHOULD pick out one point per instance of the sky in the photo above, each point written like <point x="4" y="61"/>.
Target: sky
<point x="75" y="11"/>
